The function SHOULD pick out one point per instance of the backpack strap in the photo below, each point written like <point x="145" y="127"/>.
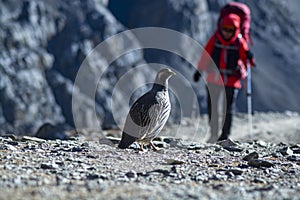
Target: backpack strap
<point x="226" y="47"/>
<point x="234" y="46"/>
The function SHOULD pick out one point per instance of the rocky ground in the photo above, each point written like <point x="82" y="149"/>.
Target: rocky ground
<point x="33" y="168"/>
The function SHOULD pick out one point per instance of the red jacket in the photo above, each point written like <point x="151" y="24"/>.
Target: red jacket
<point x="225" y="60"/>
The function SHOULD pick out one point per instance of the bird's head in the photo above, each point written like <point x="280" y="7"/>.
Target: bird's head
<point x="163" y="76"/>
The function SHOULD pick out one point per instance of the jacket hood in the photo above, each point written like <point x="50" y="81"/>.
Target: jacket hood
<point x="231" y="20"/>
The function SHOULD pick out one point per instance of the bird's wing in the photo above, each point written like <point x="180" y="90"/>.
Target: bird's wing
<point x="139" y="111"/>
<point x="138" y="119"/>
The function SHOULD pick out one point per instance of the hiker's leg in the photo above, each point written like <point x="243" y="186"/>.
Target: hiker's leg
<point x="213" y="94"/>
<point x="231" y="94"/>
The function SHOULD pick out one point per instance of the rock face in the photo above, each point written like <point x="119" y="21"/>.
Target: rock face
<point x="26" y="98"/>
<point x="275" y="30"/>
<point x="85" y="26"/>
<point x="45" y="43"/>
<point x="188" y="17"/>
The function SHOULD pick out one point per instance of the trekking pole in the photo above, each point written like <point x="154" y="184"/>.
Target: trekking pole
<point x="249" y="100"/>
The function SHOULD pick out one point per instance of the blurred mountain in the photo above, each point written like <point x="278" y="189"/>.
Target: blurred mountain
<point x="44" y="44"/>
<point x="275" y="31"/>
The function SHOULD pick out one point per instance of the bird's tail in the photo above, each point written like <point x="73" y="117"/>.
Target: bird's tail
<point x="126" y="140"/>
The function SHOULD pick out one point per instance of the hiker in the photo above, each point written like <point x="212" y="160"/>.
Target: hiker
<point x="229" y="52"/>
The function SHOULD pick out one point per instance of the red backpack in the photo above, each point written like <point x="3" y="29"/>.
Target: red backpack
<point x="243" y="11"/>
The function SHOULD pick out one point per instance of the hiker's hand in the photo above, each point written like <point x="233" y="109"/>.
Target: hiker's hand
<point x="251" y="58"/>
<point x="252" y="62"/>
<point x="197" y="76"/>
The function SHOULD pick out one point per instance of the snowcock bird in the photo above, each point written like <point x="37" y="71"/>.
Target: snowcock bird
<point x="148" y="114"/>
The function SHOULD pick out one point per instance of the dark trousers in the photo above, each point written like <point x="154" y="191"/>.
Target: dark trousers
<point x="227" y="106"/>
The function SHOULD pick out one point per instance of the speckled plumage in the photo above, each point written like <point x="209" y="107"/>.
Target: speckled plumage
<point x="149" y="113"/>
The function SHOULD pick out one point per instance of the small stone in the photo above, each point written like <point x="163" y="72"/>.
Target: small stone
<point x="260" y="163"/>
<point x="103" y="176"/>
<point x="286" y="151"/>
<point x="261" y="143"/>
<point x="60" y="163"/>
<point x="44" y="146"/>
<point x="293" y="158"/>
<point x="174" y="169"/>
<point x="161" y="144"/>
<point x="296" y="150"/>
<point x="253" y="155"/>
<point x="11" y="136"/>
<point x="243" y="166"/>
<point x="295" y="146"/>
<point x="34" y="139"/>
<point x="144" y="174"/>
<point x="174" y="162"/>
<point x="167" y="140"/>
<point x="233" y="149"/>
<point x="234" y="172"/>
<point x="201" y="178"/>
<point x="194" y="147"/>
<point x="54" y="151"/>
<point x="92" y="176"/>
<point x="131" y="174"/>
<point x="217" y="148"/>
<point x="259" y="180"/>
<point x="85" y="144"/>
<point x="48" y="166"/>
<point x="76" y="149"/>
<point x="91" y="156"/>
<point x="49" y="131"/>
<point x="160" y="139"/>
<point x="229" y="145"/>
<point x="276" y="154"/>
<point x="8" y="147"/>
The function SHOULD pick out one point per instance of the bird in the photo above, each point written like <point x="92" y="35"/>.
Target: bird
<point x="148" y="114"/>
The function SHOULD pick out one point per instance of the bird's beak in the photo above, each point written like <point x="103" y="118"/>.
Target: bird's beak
<point x="172" y="73"/>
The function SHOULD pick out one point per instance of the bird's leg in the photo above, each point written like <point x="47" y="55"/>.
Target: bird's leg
<point x="141" y="147"/>
<point x="154" y="147"/>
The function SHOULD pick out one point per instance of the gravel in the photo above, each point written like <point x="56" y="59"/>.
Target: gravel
<point x="32" y="168"/>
